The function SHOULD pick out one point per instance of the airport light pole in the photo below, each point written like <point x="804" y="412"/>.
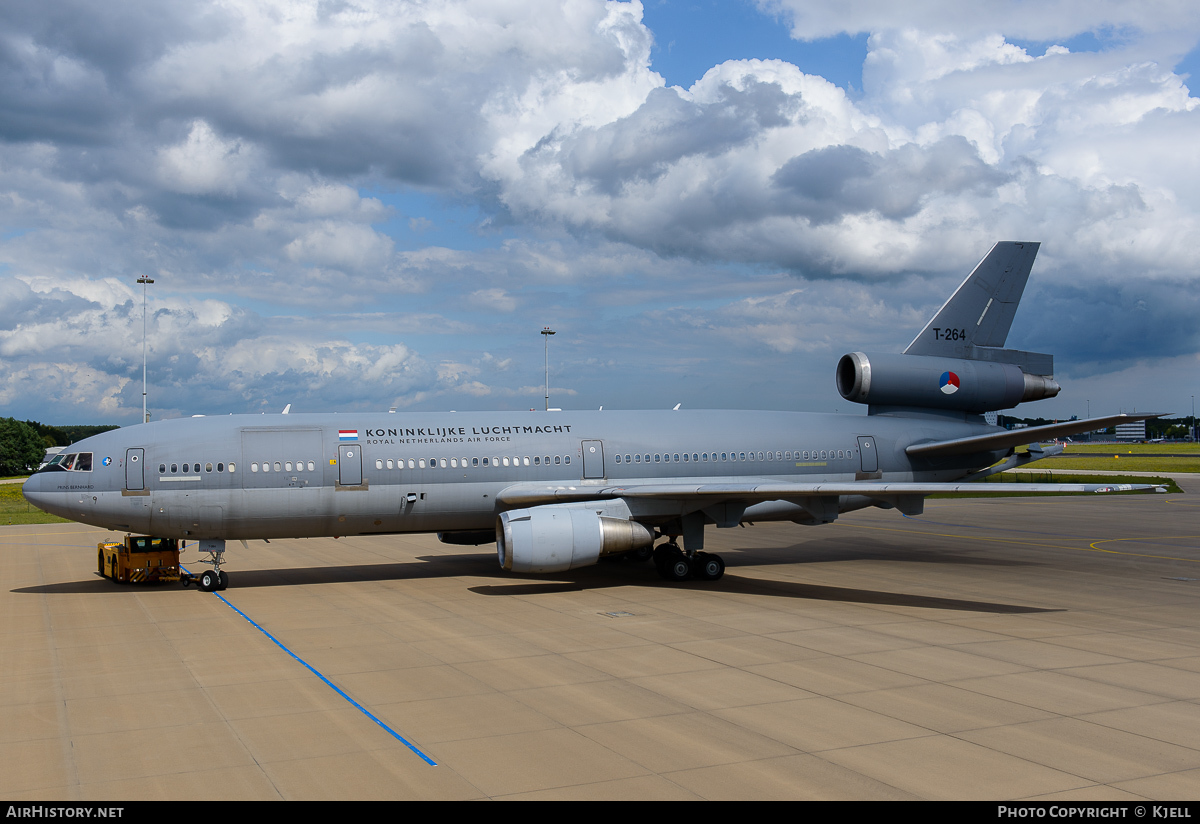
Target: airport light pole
<point x="144" y="281"/>
<point x="546" y="333"/>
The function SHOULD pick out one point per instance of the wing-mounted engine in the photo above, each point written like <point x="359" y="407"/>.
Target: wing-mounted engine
<point x="559" y="537"/>
<point x="931" y="382"/>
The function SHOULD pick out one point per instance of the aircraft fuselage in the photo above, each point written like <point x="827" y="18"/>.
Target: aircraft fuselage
<point x="292" y="476"/>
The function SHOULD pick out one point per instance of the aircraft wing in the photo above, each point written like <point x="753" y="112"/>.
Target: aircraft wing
<point x="534" y="494"/>
<point x="1019" y="437"/>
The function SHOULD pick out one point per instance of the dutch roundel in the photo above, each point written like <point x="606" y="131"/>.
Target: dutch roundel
<point x="949" y="383"/>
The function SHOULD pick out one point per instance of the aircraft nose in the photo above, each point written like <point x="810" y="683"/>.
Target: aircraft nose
<point x="34" y="490"/>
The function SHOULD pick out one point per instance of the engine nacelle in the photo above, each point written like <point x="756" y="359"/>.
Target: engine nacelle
<point x="938" y="383"/>
<point x="558" y="537"/>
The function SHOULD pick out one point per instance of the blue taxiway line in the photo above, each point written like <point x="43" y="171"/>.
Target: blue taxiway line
<point x="332" y="685"/>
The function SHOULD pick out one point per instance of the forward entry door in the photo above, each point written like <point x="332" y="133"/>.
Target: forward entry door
<point x="135" y="478"/>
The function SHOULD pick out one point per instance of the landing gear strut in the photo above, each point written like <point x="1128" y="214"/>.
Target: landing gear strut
<point x="216" y="578"/>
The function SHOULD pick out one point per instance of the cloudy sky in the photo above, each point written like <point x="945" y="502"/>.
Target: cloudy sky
<point x="349" y="204"/>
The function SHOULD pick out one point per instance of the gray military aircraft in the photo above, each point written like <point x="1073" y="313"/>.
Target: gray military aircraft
<point x="559" y="490"/>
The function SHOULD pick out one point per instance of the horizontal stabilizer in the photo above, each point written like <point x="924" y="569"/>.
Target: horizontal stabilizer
<point x="981" y="310"/>
<point x="1019" y="437"/>
<point x="532" y="494"/>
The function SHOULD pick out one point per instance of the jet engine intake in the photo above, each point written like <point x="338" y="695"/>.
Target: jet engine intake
<point x="559" y="537"/>
<point x="938" y="383"/>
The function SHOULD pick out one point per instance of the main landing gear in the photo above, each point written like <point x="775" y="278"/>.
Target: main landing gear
<point x="674" y="564"/>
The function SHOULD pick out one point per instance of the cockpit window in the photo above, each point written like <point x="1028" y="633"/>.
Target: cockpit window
<point x="73" y="461"/>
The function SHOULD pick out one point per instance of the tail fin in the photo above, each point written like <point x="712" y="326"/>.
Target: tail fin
<point x="981" y="310"/>
<point x="974" y="323"/>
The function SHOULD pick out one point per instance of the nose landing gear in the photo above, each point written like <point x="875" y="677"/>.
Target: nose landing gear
<point x="216" y="578"/>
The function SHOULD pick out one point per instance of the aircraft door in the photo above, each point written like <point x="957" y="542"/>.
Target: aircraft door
<point x="135" y="459"/>
<point x="593" y="459"/>
<point x="866" y="451"/>
<point x="349" y="464"/>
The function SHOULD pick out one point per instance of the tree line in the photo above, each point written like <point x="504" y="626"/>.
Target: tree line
<point x="23" y="444"/>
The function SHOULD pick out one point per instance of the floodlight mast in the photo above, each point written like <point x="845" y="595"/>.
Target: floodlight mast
<point x="144" y="281"/>
<point x="546" y="333"/>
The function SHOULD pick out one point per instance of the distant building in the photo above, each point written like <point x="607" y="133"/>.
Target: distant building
<point x="1131" y="431"/>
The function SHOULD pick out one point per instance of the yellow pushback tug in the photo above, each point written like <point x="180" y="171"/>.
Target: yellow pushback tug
<point x="139" y="559"/>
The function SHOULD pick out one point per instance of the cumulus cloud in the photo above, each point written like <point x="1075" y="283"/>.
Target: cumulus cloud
<point x="241" y="153"/>
<point x="204" y="164"/>
<point x="1019" y="18"/>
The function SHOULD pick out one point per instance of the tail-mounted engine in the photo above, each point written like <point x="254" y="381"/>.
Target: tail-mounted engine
<point x="939" y="383"/>
<point x="558" y="537"/>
